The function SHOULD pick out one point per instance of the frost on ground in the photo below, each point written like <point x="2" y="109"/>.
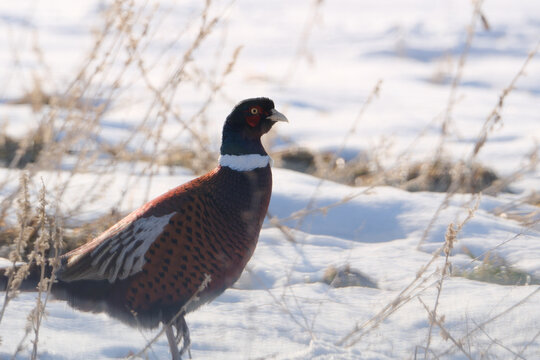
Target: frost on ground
<point x="282" y="308"/>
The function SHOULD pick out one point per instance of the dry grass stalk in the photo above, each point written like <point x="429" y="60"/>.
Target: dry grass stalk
<point x="450" y="239"/>
<point x="17" y="272"/>
<point x="121" y="47"/>
<point x="280" y="301"/>
<point x="504" y="242"/>
<point x="50" y="234"/>
<point x="302" y="50"/>
<point x="525" y="346"/>
<point x="498" y="342"/>
<point x="492" y="319"/>
<point x="494" y="116"/>
<point x="73" y="115"/>
<point x="38" y="256"/>
<point x="119" y="35"/>
<point x="300" y="215"/>
<point x="458" y="171"/>
<point x="445" y="334"/>
<point x="456" y="80"/>
<point x="374" y="93"/>
<point x="413" y="290"/>
<point x="194" y="297"/>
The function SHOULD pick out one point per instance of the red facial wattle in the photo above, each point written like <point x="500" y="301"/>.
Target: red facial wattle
<point x="253" y="120"/>
<point x="254" y="116"/>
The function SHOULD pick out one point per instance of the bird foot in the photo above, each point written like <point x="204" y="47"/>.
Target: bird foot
<point x="182" y="332"/>
<point x="173" y="346"/>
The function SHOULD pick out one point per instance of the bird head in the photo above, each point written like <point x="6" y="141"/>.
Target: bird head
<point x="248" y="121"/>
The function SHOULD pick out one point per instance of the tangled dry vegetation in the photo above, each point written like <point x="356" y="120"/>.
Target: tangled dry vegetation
<point x="68" y="119"/>
<point x="68" y="124"/>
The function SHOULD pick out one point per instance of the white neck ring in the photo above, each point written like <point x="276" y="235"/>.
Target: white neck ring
<point x="245" y="162"/>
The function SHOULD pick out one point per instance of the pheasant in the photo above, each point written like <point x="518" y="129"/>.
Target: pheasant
<point x="148" y="268"/>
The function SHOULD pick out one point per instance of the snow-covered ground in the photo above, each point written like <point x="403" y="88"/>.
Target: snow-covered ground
<point x="279" y="309"/>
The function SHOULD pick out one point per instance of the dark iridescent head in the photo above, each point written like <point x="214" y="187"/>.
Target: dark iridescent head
<point x="245" y="125"/>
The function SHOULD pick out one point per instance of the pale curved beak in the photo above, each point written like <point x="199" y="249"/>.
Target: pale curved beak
<point x="277" y="116"/>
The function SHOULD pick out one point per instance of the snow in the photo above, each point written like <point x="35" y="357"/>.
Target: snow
<point x="279" y="308"/>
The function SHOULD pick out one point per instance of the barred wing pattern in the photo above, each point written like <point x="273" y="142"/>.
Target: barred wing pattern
<point x="116" y="254"/>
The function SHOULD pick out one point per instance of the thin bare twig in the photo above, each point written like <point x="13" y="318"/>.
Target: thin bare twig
<point x="456" y="80"/>
<point x="450" y="239"/>
<point x="495" y="317"/>
<point x="445" y="333"/>
<point x="497" y="342"/>
<point x="194" y="297"/>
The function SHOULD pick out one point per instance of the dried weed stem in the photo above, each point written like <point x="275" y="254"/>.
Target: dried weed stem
<point x="50" y="234"/>
<point x="450" y="239"/>
<point x="181" y="312"/>
<point x="17" y="272"/>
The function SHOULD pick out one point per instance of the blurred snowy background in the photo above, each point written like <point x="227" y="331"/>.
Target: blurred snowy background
<point x="404" y="221"/>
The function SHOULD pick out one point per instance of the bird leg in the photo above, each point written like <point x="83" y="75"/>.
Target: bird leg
<point x="173" y="345"/>
<point x="182" y="332"/>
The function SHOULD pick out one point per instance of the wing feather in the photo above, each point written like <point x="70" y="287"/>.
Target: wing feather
<point x="117" y="253"/>
<point x="120" y="251"/>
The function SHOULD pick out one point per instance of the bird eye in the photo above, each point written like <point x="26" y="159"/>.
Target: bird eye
<point x="254" y="111"/>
